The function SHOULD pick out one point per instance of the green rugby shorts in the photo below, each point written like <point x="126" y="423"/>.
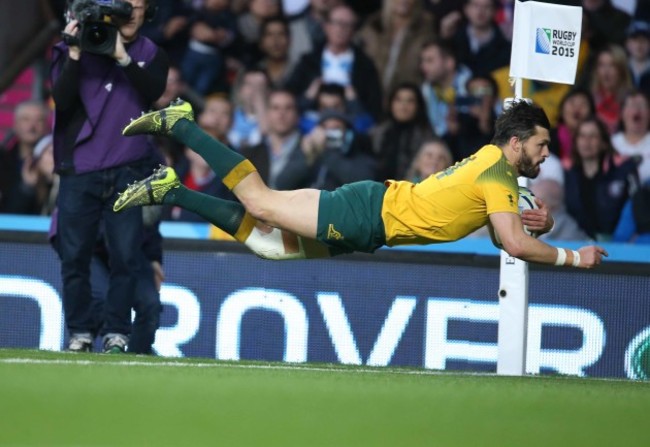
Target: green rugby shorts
<point x="349" y="218"/>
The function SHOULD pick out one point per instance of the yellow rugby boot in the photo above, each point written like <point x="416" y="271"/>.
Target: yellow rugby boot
<point x="149" y="191"/>
<point x="160" y="122"/>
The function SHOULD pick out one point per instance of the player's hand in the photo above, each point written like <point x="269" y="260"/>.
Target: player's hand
<point x="591" y="256"/>
<point x="72" y="29"/>
<point x="538" y="220"/>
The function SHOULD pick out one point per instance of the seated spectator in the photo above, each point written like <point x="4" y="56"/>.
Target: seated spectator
<point x="18" y="178"/>
<point x="307" y="31"/>
<point x="249" y="24"/>
<point x="479" y="43"/>
<point x="609" y="82"/>
<point x="633" y="140"/>
<point x="216" y="117"/>
<point x="332" y="97"/>
<point x="274" y="51"/>
<point x="340" y="62"/>
<point x="249" y="117"/>
<point x="475" y="116"/>
<point x="598" y="183"/>
<point x="397" y="139"/>
<point x="565" y="228"/>
<point x="576" y="106"/>
<point x="337" y="154"/>
<point x="212" y="31"/>
<point x="637" y="45"/>
<point x="278" y="157"/>
<point x="444" y="80"/>
<point x="634" y="224"/>
<point x="392" y="38"/>
<point x="432" y="157"/>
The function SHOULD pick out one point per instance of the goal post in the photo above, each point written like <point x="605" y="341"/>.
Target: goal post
<point x="545" y="47"/>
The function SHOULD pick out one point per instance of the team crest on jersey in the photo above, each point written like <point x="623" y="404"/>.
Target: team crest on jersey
<point x="332" y="233"/>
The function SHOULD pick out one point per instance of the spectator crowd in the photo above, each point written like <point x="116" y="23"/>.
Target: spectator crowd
<point x="318" y="93"/>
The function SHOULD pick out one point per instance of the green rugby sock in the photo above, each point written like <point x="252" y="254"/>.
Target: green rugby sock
<point x="230" y="166"/>
<point x="230" y="216"/>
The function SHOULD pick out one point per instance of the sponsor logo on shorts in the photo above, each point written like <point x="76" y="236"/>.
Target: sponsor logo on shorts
<point x="332" y="233"/>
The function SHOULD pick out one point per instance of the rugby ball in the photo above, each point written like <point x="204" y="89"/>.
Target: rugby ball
<point x="526" y="202"/>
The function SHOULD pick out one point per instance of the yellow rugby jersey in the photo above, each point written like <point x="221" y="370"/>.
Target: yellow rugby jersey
<point x="452" y="203"/>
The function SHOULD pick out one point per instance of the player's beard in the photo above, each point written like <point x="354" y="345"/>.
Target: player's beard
<point x="527" y="167"/>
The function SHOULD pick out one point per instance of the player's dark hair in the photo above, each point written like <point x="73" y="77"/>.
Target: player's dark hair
<point x="519" y="121"/>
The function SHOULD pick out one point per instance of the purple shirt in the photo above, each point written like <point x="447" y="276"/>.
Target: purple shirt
<point x="110" y="100"/>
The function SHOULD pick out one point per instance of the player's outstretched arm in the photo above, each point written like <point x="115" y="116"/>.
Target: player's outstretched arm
<point x="518" y="244"/>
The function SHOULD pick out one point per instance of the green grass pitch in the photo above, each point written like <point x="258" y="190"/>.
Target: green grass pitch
<point x="49" y="399"/>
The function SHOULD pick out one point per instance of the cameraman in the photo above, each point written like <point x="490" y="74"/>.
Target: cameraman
<point x="95" y="95"/>
<point x="338" y="153"/>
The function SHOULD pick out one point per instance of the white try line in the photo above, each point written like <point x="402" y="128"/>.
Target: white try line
<point x="279" y="367"/>
<point x="293" y="367"/>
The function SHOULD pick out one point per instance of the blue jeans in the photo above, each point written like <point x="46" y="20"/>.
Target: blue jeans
<point x="147" y="304"/>
<point x="84" y="201"/>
